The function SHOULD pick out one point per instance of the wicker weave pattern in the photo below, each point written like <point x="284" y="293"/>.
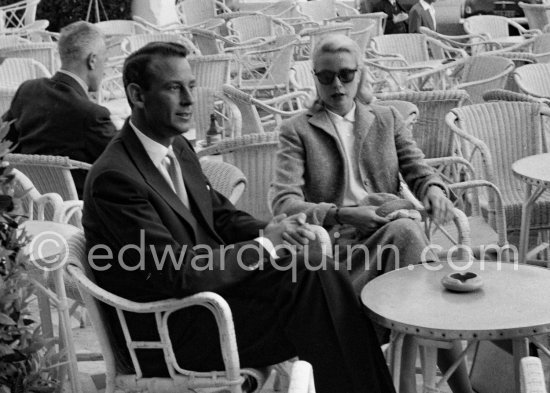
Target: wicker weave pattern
<point x="504" y="132"/>
<point x="430" y="132"/>
<point x="537" y="14"/>
<point x="533" y="79"/>
<point x="15" y="71"/>
<point x="43" y="52"/>
<point x="196" y="12"/>
<point x="490" y="25"/>
<point x="507" y="95"/>
<point x="252" y="27"/>
<point x="134" y="42"/>
<point x="254" y="155"/>
<point x="227" y="179"/>
<point x="412" y="47"/>
<point x="211" y="71"/>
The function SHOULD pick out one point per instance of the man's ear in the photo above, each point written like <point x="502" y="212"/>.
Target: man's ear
<point x="91" y="61"/>
<point x="135" y="94"/>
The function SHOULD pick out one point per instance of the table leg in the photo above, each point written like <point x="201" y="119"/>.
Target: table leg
<point x="429" y="368"/>
<point x="521" y="349"/>
<point x="527" y="207"/>
<point x="395" y="351"/>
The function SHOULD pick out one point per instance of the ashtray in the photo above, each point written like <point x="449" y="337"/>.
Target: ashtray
<point x="462" y="282"/>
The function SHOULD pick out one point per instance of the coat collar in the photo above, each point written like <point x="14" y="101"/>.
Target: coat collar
<point x="69" y="81"/>
<point x="364" y="120"/>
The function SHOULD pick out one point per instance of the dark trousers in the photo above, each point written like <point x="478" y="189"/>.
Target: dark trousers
<point x="315" y="316"/>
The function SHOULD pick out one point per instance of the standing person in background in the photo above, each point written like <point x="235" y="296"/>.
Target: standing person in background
<point x="397" y="16"/>
<point x="422" y="14"/>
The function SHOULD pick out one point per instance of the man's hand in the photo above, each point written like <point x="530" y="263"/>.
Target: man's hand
<point x="364" y="218"/>
<point x="438" y="206"/>
<point x="291" y="230"/>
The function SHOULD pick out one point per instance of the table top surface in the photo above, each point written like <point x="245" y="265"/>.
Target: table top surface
<point x="534" y="169"/>
<point x="513" y="301"/>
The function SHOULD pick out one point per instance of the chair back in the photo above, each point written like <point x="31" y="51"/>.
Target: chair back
<point x="227" y="179"/>
<point x="317" y="10"/>
<point x="315" y="34"/>
<point x="536" y="14"/>
<point x="541" y="48"/>
<point x="49" y="173"/>
<point x="132" y="43"/>
<point x="212" y="71"/>
<point x="43" y="52"/>
<point x="254" y="155"/>
<point x="194" y="12"/>
<point x="302" y="78"/>
<point x="533" y="79"/>
<point x="378" y="18"/>
<point x="481" y="73"/>
<point x="12" y="40"/>
<point x="14" y="71"/>
<point x="6" y="96"/>
<point x="207" y="41"/>
<point x="430" y="131"/>
<point x="412" y="47"/>
<point x="510" y="131"/>
<point x="492" y="25"/>
<point x="249" y="27"/>
<point x="18" y="15"/>
<point x="120" y="27"/>
<point x="251" y="121"/>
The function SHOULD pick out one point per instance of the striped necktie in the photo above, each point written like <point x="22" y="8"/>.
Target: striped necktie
<point x="173" y="168"/>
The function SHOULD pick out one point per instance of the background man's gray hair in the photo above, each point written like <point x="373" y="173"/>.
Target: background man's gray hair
<point x="78" y="40"/>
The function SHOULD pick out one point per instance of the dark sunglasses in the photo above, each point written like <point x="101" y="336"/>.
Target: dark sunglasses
<point x="326" y="77"/>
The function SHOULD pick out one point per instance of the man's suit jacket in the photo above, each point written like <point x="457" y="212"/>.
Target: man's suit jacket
<point x="386" y="7"/>
<point x="128" y="202"/>
<point x="311" y="174"/>
<point x="55" y="117"/>
<point x="418" y="16"/>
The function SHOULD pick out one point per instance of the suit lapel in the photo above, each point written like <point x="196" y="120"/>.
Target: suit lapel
<point x="429" y="19"/>
<point x="151" y="174"/>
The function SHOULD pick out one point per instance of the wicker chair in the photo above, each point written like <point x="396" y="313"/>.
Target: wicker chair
<point x="491" y="136"/>
<point x="537" y="14"/>
<point x="52" y="174"/>
<point x="43" y="52"/>
<point x="496" y="28"/>
<point x="212" y="71"/>
<point x="209" y="101"/>
<point x="257" y="28"/>
<point x="227" y="179"/>
<point x="254" y="155"/>
<point x="273" y="110"/>
<point x="532" y="79"/>
<point x="116" y="30"/>
<point x="532" y="375"/>
<point x="12" y="40"/>
<point x="18" y="15"/>
<point x="472" y="43"/>
<point x="507" y="95"/>
<point x="15" y="71"/>
<point x="200" y="13"/>
<point x="310" y="36"/>
<point x="132" y="43"/>
<point x="182" y="380"/>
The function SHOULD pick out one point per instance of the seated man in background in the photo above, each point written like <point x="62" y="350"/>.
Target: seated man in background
<point x="147" y="191"/>
<point x="55" y="116"/>
<point x="397" y="16"/>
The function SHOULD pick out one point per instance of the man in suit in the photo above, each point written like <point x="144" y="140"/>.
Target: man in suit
<point x="422" y="14"/>
<point x="146" y="197"/>
<point x="395" y="22"/>
<point x="55" y="116"/>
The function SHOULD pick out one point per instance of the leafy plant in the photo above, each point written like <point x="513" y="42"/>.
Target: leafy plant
<point x="25" y="356"/>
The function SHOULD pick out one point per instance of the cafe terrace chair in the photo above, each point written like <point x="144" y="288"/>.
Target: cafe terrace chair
<point x="201" y="13"/>
<point x="260" y="116"/>
<point x="301" y="379"/>
<point x="15" y="71"/>
<point x="537" y="14"/>
<point x="363" y="29"/>
<point x="12" y="40"/>
<point x="254" y="154"/>
<point x="257" y="28"/>
<point x="52" y="174"/>
<point x="496" y="28"/>
<point x="212" y="71"/>
<point x="210" y="101"/>
<point x="18" y="15"/>
<point x="309" y="37"/>
<point x="227" y="179"/>
<point x="533" y="80"/>
<point x="132" y="43"/>
<point x="472" y="43"/>
<point x="43" y="52"/>
<point x="490" y="137"/>
<point x="115" y="30"/>
<point x="507" y="95"/>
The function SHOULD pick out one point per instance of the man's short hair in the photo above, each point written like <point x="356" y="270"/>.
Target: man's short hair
<point x="77" y="41"/>
<point x="136" y="66"/>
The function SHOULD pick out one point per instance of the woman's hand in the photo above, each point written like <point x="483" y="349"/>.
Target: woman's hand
<point x="438" y="206"/>
<point x="291" y="230"/>
<point x="364" y="218"/>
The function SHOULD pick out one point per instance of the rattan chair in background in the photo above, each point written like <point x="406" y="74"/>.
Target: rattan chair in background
<point x="43" y="52"/>
<point x="212" y="71"/>
<point x="257" y="28"/>
<point x="18" y="15"/>
<point x="490" y="137"/>
<point x="533" y="80"/>
<point x="496" y="28"/>
<point x="227" y="179"/>
<point x="15" y="71"/>
<point x="507" y="95"/>
<point x="273" y="111"/>
<point x="536" y="14"/>
<point x="200" y="13"/>
<point x="254" y="155"/>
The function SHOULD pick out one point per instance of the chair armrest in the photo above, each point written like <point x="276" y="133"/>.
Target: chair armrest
<point x="532" y="375"/>
<point x="301" y="379"/>
<point x="508" y="69"/>
<point x="70" y="209"/>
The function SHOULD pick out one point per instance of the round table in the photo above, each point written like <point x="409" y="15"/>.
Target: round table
<point x="512" y="304"/>
<point x="534" y="171"/>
